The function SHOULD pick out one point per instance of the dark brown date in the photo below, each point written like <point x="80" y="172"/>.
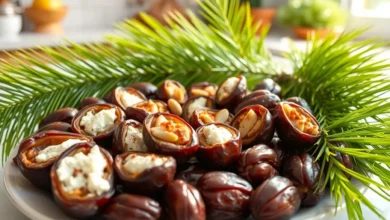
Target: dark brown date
<point x="231" y="92"/>
<point x="225" y="194"/>
<point x="148" y="89"/>
<point x="103" y="138"/>
<point x="300" y="101"/>
<point x="258" y="164"/>
<point x="172" y="89"/>
<point x="169" y="134"/>
<point x="61" y="115"/>
<point x="202" y="89"/>
<point x="277" y="145"/>
<point x="259" y="97"/>
<point x="270" y="85"/>
<point x="255" y="124"/>
<point x="218" y="152"/>
<point x="126" y="97"/>
<point x="56" y="126"/>
<point x="139" y="111"/>
<point x="183" y="202"/>
<point x="90" y="101"/>
<point x="128" y="138"/>
<point x="209" y="116"/>
<point x="81" y="203"/>
<point x="276" y="198"/>
<point x="304" y="172"/>
<point x="296" y="126"/>
<point x="144" y="173"/>
<point x="132" y="207"/>
<point x="197" y="102"/>
<point x="191" y="172"/>
<point x="38" y="172"/>
<point x="345" y="159"/>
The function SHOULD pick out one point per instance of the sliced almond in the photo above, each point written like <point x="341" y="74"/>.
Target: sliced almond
<point x="210" y="90"/>
<point x="247" y="123"/>
<point x="255" y="128"/>
<point x="207" y="119"/>
<point x="175" y="107"/>
<point x="222" y="116"/>
<point x="164" y="135"/>
<point x="161" y="119"/>
<point x="199" y="92"/>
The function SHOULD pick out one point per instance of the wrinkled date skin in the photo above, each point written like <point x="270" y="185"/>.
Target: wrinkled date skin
<point x="140" y="110"/>
<point x="38" y="173"/>
<point x="202" y="89"/>
<point x="179" y="94"/>
<point x="56" y="126"/>
<point x="234" y="96"/>
<point x="117" y="96"/>
<point x="258" y="164"/>
<point x="119" y="137"/>
<point x="104" y="138"/>
<point x="183" y="202"/>
<point x="132" y="207"/>
<point x="345" y="159"/>
<point x="181" y="153"/>
<point x="91" y="101"/>
<point x="148" y="89"/>
<point x="196" y="120"/>
<point x="219" y="155"/>
<point x="276" y="198"/>
<point x="61" y="115"/>
<point x="305" y="174"/>
<point x="191" y="172"/>
<point x="297" y="139"/>
<point x="225" y="194"/>
<point x="259" y="97"/>
<point x="77" y="206"/>
<point x="277" y="145"/>
<point x="210" y="104"/>
<point x="150" y="181"/>
<point x="300" y="101"/>
<point x="270" y="85"/>
<point x="259" y="133"/>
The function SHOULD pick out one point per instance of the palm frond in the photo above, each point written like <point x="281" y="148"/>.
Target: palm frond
<point x="348" y="89"/>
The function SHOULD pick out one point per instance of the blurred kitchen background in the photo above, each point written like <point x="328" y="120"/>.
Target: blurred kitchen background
<point x="27" y="23"/>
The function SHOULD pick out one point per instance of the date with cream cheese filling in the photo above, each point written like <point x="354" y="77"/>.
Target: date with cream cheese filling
<point x="94" y="123"/>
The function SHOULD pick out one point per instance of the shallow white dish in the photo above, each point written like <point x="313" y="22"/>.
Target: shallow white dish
<point x="39" y="205"/>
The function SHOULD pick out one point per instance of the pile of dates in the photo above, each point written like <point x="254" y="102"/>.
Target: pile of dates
<point x="169" y="152"/>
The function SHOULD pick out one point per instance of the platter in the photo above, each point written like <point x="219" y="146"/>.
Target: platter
<point x="38" y="205"/>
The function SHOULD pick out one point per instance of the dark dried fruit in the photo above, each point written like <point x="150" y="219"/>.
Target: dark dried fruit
<point x="259" y="97"/>
<point x="132" y="207"/>
<point x="202" y="89"/>
<point x="34" y="163"/>
<point x="269" y="85"/>
<point x="231" y="92"/>
<point x="144" y="173"/>
<point x="345" y="159"/>
<point x="304" y="172"/>
<point x="300" y="101"/>
<point x="61" y="115"/>
<point x="126" y="97"/>
<point x="277" y="145"/>
<point x="128" y="138"/>
<point x="197" y="102"/>
<point x="209" y="116"/>
<point x="219" y="145"/>
<point x="56" y="126"/>
<point x="255" y="124"/>
<point x="276" y="198"/>
<point x="225" y="194"/>
<point x="258" y="164"/>
<point x="90" y="101"/>
<point x="296" y="126"/>
<point x="169" y="134"/>
<point x="191" y="172"/>
<point x="83" y="201"/>
<point x="183" y="202"/>
<point x="148" y="89"/>
<point x="98" y="121"/>
<point x="172" y="89"/>
<point x="139" y="111"/>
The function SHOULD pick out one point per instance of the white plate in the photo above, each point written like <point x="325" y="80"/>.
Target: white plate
<point x="39" y="205"/>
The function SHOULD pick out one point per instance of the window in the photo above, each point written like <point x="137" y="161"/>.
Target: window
<point x="369" y="13"/>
